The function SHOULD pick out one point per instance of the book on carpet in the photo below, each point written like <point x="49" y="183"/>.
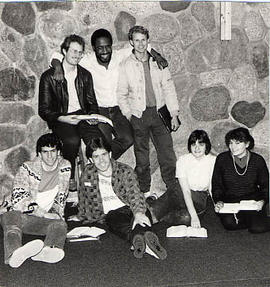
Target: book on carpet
<point x="84" y="233"/>
<point x="165" y="116"/>
<point x="186" y="231"/>
<point x="242" y="205"/>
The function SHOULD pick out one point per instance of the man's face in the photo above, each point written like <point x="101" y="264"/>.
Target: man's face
<point x="103" y="49"/>
<point x="101" y="159"/>
<point x="49" y="156"/>
<point x="74" y="54"/>
<point x="139" y="42"/>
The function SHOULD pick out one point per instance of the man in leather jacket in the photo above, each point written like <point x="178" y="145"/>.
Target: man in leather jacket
<point x="61" y="103"/>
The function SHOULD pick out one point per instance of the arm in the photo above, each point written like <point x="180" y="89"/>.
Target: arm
<point x="263" y="180"/>
<point x="195" y="222"/>
<point x="218" y="189"/>
<point x="91" y="104"/>
<point x="123" y="93"/>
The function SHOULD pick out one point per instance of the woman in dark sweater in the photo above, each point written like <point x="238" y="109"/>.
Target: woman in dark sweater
<point x="240" y="174"/>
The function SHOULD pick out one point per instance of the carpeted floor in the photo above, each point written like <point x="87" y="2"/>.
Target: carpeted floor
<point x="224" y="259"/>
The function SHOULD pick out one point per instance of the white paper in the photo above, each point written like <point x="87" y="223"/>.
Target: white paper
<point x="184" y="231"/>
<point x="85" y="231"/>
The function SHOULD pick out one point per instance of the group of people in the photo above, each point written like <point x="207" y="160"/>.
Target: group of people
<point x="129" y="87"/>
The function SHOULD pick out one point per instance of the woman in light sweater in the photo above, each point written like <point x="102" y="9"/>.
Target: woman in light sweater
<point x="241" y="174"/>
<point x="194" y="172"/>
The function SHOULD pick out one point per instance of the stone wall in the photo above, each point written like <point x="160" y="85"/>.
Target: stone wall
<point x="220" y="84"/>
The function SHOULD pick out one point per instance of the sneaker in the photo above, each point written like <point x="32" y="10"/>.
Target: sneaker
<point x="26" y="251"/>
<point x="138" y="245"/>
<point x="49" y="255"/>
<point x="152" y="242"/>
<point x="72" y="185"/>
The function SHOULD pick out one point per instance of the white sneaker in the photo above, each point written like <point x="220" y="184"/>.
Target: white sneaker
<point x="26" y="251"/>
<point x="49" y="255"/>
<point x="150" y="252"/>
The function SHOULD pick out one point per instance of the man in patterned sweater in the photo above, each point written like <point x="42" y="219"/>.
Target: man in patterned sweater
<point x="37" y="206"/>
<point x="109" y="191"/>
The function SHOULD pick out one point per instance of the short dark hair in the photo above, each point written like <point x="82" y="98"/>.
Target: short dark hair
<point x="72" y="38"/>
<point x="138" y="29"/>
<point x="96" y="143"/>
<point x="49" y="140"/>
<point x="99" y="34"/>
<point x="240" y="134"/>
<point x="202" y="137"/>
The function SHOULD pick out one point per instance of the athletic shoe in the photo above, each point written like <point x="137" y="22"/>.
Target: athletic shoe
<point x="49" y="255"/>
<point x="139" y="245"/>
<point x="26" y="251"/>
<point x="152" y="242"/>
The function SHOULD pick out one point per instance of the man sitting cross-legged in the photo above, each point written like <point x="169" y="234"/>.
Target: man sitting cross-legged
<point x="109" y="191"/>
<point x="37" y="206"/>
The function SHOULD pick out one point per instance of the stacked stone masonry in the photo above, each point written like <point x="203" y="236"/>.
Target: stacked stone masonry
<point x="220" y="84"/>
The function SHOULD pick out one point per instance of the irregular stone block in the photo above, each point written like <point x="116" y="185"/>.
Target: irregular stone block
<point x="204" y="12"/>
<point x="173" y="6"/>
<point x="189" y="30"/>
<point x="218" y="135"/>
<point x="123" y="22"/>
<point x="265" y="13"/>
<point x="15" y="86"/>
<point x="11" y="136"/>
<point x="261" y="134"/>
<point x="35" y="55"/>
<point x="210" y="48"/>
<point x="14" y="113"/>
<point x="210" y="104"/>
<point x="215" y="78"/>
<point x="235" y="51"/>
<point x="16" y="158"/>
<point x="138" y="8"/>
<point x="11" y="44"/>
<point x="19" y="16"/>
<point x="263" y="90"/>
<point x="195" y="62"/>
<point x="243" y="83"/>
<point x="254" y="26"/>
<point x="173" y="53"/>
<point x="162" y="28"/>
<point x="260" y="61"/>
<point x="4" y="60"/>
<point x="6" y="184"/>
<point x="44" y="6"/>
<point x="248" y="114"/>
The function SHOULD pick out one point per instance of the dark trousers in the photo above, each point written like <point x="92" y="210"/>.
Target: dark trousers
<point x="71" y="136"/>
<point x="150" y="125"/>
<point x="120" y="222"/>
<point x="254" y="221"/>
<point x="123" y="134"/>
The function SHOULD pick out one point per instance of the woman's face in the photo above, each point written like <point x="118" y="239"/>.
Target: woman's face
<point x="238" y="148"/>
<point x="198" y="149"/>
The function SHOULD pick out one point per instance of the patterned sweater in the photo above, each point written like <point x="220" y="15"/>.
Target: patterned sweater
<point x="229" y="186"/>
<point x="26" y="184"/>
<point x="124" y="184"/>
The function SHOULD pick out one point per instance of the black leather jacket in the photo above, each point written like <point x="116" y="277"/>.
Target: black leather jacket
<point x="53" y="95"/>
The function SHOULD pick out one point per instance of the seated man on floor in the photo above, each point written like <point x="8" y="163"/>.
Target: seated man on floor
<point x="37" y="205"/>
<point x="109" y="192"/>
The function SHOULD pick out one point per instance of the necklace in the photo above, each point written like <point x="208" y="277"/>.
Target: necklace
<point x="235" y="167"/>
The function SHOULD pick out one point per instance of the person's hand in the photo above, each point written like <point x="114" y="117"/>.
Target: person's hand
<point x="161" y="62"/>
<point x="218" y="206"/>
<point x="69" y="119"/>
<point x="175" y="123"/>
<point x="73" y="218"/>
<point x="260" y="204"/>
<point x="142" y="219"/>
<point x="58" y="74"/>
<point x="195" y="221"/>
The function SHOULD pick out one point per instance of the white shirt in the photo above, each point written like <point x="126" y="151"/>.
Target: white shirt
<point x="73" y="101"/>
<point x="110" y="200"/>
<point x="46" y="198"/>
<point x="198" y="172"/>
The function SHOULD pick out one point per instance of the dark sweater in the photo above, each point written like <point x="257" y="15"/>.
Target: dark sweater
<point x="228" y="186"/>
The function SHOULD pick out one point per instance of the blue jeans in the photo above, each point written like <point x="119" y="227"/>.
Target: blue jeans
<point x="15" y="223"/>
<point x="123" y="133"/>
<point x="150" y="125"/>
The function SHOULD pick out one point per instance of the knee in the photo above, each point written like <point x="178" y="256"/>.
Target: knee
<point x="229" y="224"/>
<point x="59" y="224"/>
<point x="11" y="218"/>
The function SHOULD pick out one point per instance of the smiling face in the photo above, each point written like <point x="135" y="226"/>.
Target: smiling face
<point x="238" y="148"/>
<point x="139" y="42"/>
<point x="74" y="54"/>
<point x="103" y="50"/>
<point x="198" y="149"/>
<point x="49" y="156"/>
<point x="101" y="159"/>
